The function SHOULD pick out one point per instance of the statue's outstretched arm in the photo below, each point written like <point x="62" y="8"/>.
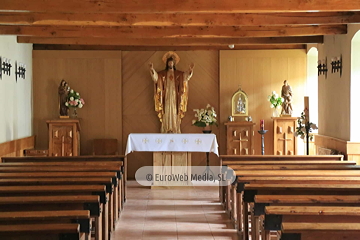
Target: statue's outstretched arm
<point x="153" y="73"/>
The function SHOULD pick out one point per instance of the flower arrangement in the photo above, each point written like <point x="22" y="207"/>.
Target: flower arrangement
<point x="304" y="127"/>
<point x="205" y="117"/>
<point x="275" y="100"/>
<point x="74" y="100"/>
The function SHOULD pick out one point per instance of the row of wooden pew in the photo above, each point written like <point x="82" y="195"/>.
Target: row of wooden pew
<point x="60" y="197"/>
<point x="293" y="197"/>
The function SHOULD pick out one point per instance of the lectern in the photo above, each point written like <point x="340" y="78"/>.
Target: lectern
<point x="64" y="137"/>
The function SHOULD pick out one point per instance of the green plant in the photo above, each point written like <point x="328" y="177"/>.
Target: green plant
<point x="304" y="127"/>
<point x="205" y="117"/>
<point x="275" y="100"/>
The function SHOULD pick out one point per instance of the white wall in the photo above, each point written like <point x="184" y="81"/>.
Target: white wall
<point x="355" y="86"/>
<point x="15" y="97"/>
<point x="335" y="92"/>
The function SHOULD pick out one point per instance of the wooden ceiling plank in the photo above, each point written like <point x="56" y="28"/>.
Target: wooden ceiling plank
<point x="172" y="42"/>
<point x="179" y="6"/>
<point x="185" y="19"/>
<point x="164" y="48"/>
<point x="172" y="32"/>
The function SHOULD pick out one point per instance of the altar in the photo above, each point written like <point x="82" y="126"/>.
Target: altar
<point x="171" y="150"/>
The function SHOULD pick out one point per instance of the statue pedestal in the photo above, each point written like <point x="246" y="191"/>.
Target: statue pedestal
<point x="171" y="164"/>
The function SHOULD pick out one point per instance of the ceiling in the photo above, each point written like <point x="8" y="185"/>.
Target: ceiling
<point x="175" y="25"/>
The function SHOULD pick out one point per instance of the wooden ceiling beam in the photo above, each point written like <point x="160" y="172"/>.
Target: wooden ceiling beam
<point x="126" y="6"/>
<point x="164" y="48"/>
<point x="180" y="19"/>
<point x="172" y="32"/>
<point x="171" y="41"/>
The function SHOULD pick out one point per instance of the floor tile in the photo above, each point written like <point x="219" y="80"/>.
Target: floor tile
<point x="169" y="214"/>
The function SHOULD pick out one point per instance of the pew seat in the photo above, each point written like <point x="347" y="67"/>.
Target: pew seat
<point x="61" y="231"/>
<point x="315" y="231"/>
<point x="82" y="217"/>
<point x="42" y="204"/>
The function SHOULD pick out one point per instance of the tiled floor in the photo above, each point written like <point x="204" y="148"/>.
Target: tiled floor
<point x="181" y="213"/>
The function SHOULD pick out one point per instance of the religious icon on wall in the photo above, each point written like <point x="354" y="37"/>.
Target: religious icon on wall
<point x="239" y="103"/>
<point x="171" y="92"/>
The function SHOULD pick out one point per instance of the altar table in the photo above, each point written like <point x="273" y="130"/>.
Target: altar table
<point x="171" y="149"/>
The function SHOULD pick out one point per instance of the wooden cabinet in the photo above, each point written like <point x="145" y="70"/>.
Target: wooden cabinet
<point x="64" y="137"/>
<point x="285" y="142"/>
<point x="240" y="138"/>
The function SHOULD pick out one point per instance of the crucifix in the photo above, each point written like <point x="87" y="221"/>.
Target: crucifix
<point x="241" y="141"/>
<point x="307" y="120"/>
<point x="285" y="142"/>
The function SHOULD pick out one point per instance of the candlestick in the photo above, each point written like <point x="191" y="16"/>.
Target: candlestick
<point x="262" y="124"/>
<point x="262" y="132"/>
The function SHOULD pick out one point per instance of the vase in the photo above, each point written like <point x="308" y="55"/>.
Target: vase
<point x="207" y="129"/>
<point x="74" y="113"/>
<point x="276" y="112"/>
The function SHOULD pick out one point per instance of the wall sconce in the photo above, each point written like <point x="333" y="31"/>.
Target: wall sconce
<point x="322" y="67"/>
<point x="20" y="71"/>
<point x="336" y="64"/>
<point x="5" y="66"/>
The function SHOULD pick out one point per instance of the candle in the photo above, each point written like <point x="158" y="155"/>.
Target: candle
<point x="262" y="124"/>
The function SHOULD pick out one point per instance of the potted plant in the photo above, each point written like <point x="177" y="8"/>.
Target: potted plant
<point x="205" y="118"/>
<point x="276" y="102"/>
<point x="74" y="101"/>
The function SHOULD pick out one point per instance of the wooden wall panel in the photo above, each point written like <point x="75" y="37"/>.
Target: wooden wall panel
<point x="259" y="73"/>
<point x="138" y="105"/>
<point x="16" y="148"/>
<point x="96" y="75"/>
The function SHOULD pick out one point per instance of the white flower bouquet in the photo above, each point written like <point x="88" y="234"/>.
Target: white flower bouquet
<point x="74" y="100"/>
<point x="205" y="117"/>
<point x="275" y="100"/>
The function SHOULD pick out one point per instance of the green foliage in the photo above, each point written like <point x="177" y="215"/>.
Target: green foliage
<point x="275" y="100"/>
<point x="304" y="127"/>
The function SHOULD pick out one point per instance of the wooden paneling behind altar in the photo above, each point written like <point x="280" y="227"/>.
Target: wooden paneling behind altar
<point x="138" y="105"/>
<point x="96" y="75"/>
<point x="259" y="73"/>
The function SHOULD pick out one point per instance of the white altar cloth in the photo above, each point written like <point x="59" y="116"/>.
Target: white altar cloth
<point x="168" y="142"/>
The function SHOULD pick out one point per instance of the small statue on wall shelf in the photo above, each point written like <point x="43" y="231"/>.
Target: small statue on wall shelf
<point x="286" y="94"/>
<point x="63" y="91"/>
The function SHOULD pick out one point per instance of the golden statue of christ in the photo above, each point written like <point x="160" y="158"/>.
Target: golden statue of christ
<point x="171" y="93"/>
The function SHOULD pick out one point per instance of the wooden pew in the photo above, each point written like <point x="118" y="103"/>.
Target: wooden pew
<point x="315" y="231"/>
<point x="232" y="159"/>
<point x="280" y="158"/>
<point x="46" y="162"/>
<point x="288" y="162"/>
<point x="43" y="167"/>
<point x="294" y="167"/>
<point x="275" y="216"/>
<point x="229" y="192"/>
<point x="41" y="204"/>
<point x="107" y="182"/>
<point x="55" y="190"/>
<point x="62" y="231"/>
<point x="282" y="173"/>
<point x="83" y="158"/>
<point x="292" y="180"/>
<point x="295" y="189"/>
<point x="82" y="217"/>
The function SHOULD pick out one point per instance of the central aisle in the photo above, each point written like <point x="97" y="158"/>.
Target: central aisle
<point x="181" y="213"/>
